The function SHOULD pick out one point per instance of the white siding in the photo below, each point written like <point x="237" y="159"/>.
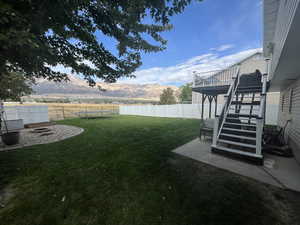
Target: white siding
<point x="224" y="77"/>
<point x="249" y="65"/>
<point x="196" y="97"/>
<point x="289" y="109"/>
<point x="256" y="62"/>
<point x="286" y="12"/>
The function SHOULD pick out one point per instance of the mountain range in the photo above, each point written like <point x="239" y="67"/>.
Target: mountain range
<point x="79" y="88"/>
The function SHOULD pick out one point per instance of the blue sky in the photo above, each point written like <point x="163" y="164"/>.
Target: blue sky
<point x="210" y="24"/>
<point x="206" y="36"/>
<point x="214" y="31"/>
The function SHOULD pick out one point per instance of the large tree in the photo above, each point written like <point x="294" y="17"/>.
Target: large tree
<point x="185" y="94"/>
<point x="37" y="35"/>
<point x="14" y="86"/>
<point x="167" y="97"/>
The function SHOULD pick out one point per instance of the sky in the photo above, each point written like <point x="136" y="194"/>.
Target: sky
<point x="206" y="36"/>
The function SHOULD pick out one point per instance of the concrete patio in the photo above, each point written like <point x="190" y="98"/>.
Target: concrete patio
<point x="277" y="171"/>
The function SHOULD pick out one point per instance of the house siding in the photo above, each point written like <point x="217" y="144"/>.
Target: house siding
<point x="285" y="16"/>
<point x="257" y="62"/>
<point x="249" y="65"/>
<point x="289" y="109"/>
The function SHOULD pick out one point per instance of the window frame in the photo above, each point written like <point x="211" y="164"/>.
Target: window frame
<point x="291" y="100"/>
<point x="282" y="102"/>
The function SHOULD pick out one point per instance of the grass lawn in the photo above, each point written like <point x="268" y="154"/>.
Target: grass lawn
<point x="121" y="171"/>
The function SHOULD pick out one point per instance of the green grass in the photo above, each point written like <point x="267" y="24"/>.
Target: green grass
<point x="121" y="171"/>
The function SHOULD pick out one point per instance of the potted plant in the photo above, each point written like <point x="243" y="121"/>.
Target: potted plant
<point x="11" y="138"/>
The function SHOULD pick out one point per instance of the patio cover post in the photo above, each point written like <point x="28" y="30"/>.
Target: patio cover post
<point x="216" y="104"/>
<point x="210" y="98"/>
<point x="203" y="100"/>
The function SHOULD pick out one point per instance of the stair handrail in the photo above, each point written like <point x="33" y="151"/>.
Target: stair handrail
<point x="260" y="120"/>
<point x="229" y="96"/>
<point x="263" y="97"/>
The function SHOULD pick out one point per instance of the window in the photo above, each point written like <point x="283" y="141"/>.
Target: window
<point x="282" y="102"/>
<point x="291" y="100"/>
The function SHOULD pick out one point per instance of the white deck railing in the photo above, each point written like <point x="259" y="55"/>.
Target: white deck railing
<point x="215" y="78"/>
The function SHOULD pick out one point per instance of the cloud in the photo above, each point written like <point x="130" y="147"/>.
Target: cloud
<point x="183" y="72"/>
<point x="222" y="48"/>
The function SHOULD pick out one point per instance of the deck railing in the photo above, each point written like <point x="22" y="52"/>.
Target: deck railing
<point x="215" y="78"/>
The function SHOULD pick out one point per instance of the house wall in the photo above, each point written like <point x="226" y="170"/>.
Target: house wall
<point x="255" y="62"/>
<point x="197" y="98"/>
<point x="285" y="11"/>
<point x="289" y="109"/>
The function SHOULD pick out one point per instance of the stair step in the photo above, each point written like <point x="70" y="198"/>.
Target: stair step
<point x="237" y="118"/>
<point x="250" y="87"/>
<point x="240" y="130"/>
<point x="238" y="136"/>
<point x="236" y="115"/>
<point x="236" y="151"/>
<point x="245" y="103"/>
<point x="249" y="90"/>
<point x="250" y="97"/>
<point x="243" y="87"/>
<point x="241" y="124"/>
<point x="236" y="143"/>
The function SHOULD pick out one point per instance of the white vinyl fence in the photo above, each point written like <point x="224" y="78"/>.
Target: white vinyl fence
<point x="186" y="111"/>
<point x="29" y="114"/>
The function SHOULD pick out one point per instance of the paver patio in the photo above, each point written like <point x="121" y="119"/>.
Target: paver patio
<point x="29" y="137"/>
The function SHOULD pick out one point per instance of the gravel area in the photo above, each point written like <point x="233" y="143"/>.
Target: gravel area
<point x="49" y="134"/>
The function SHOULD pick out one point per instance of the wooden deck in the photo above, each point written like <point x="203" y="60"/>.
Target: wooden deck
<point x="212" y="90"/>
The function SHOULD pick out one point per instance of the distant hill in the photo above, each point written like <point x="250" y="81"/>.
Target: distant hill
<point x="79" y="88"/>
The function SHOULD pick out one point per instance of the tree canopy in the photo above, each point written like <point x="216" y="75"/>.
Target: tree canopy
<point x="185" y="94"/>
<point x="167" y="97"/>
<point x="37" y="35"/>
<point x="14" y="86"/>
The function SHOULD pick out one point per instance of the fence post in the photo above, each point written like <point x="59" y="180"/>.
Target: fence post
<point x="215" y="133"/>
<point x="63" y="111"/>
<point x="57" y="113"/>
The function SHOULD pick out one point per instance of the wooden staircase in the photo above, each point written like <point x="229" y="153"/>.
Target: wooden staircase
<point x="239" y="128"/>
